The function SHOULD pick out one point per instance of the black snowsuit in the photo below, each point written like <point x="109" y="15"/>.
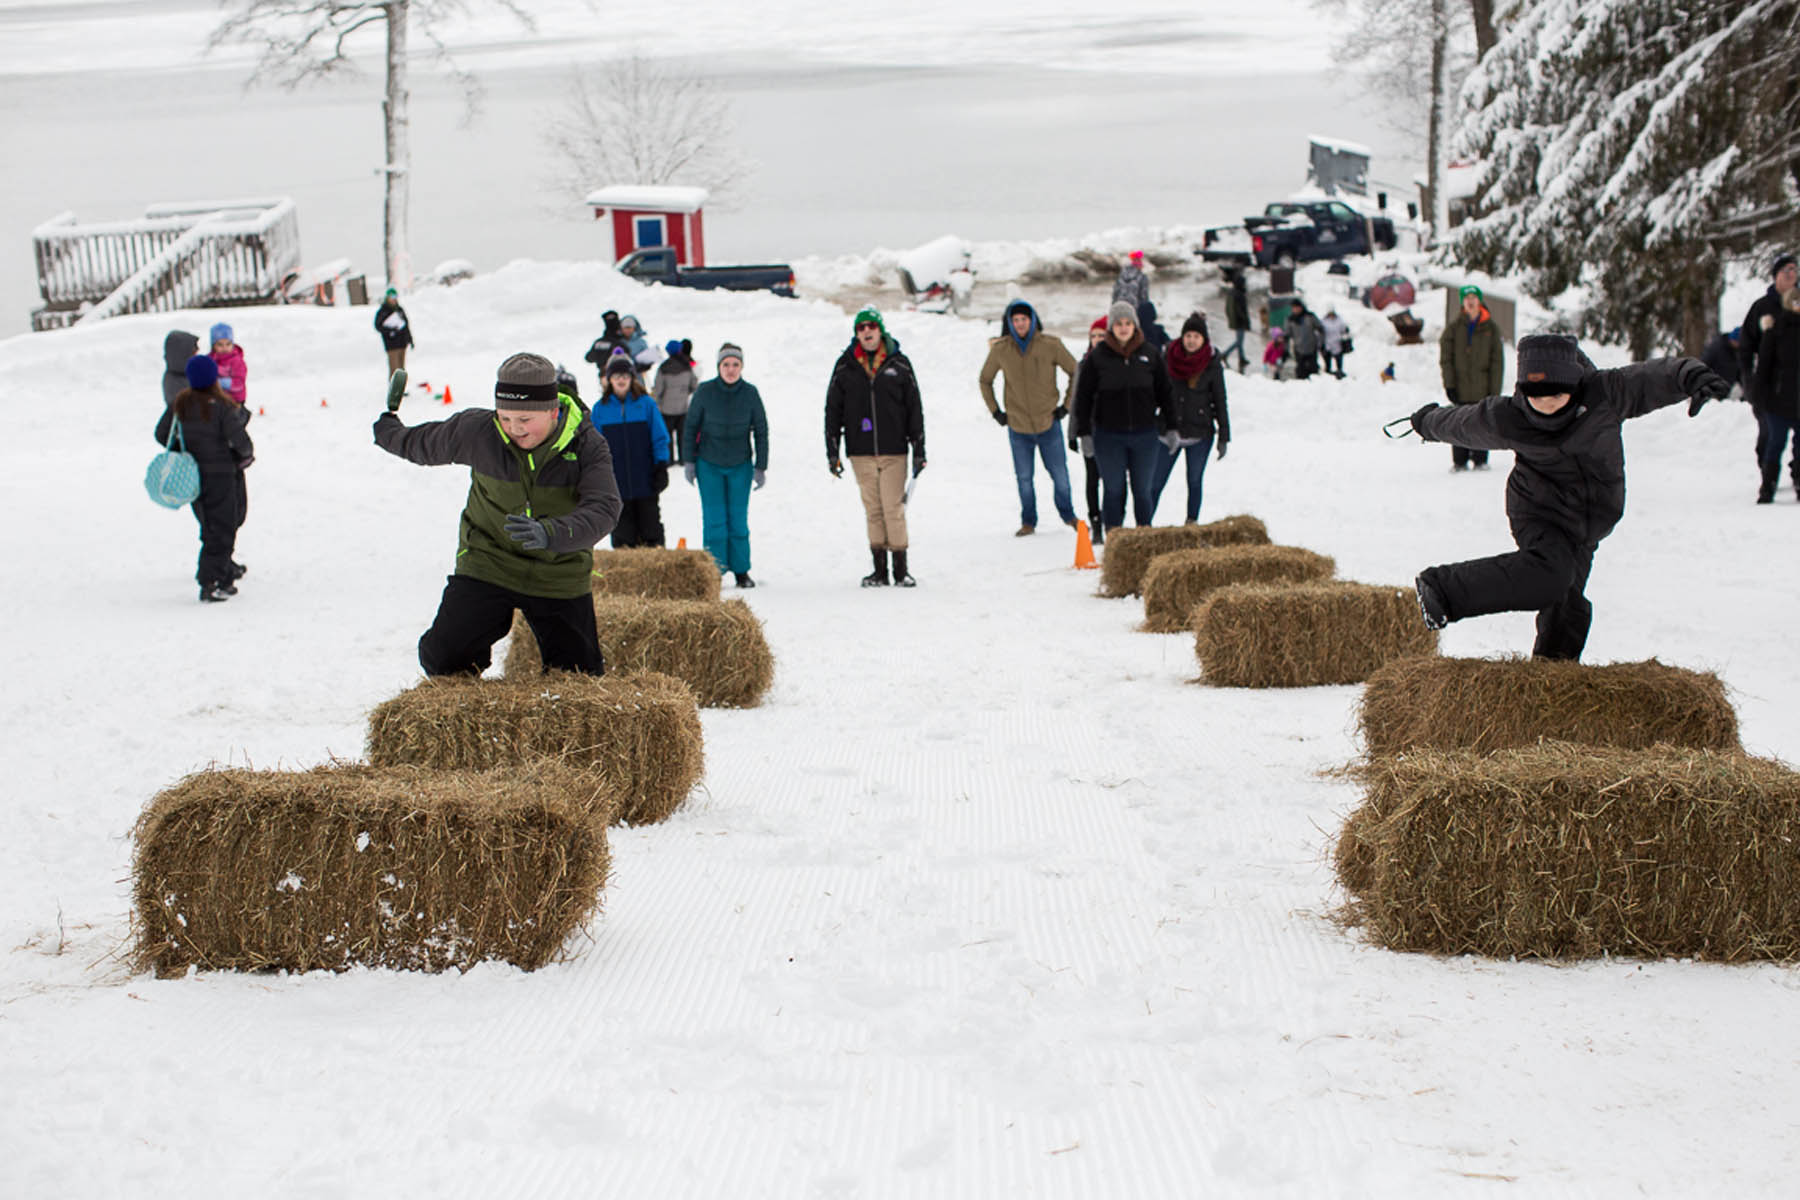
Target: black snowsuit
<point x="214" y="433"/>
<point x="1565" y="493"/>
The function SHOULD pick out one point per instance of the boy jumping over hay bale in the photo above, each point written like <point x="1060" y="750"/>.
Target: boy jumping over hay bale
<point x="1567" y="487"/>
<point x="541" y="493"/>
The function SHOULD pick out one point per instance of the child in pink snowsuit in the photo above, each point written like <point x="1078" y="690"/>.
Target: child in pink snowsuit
<point x="230" y="358"/>
<point x="1274" y="352"/>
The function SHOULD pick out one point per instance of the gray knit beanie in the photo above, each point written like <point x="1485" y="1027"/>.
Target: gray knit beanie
<point x="729" y="350"/>
<point x="526" y="382"/>
<point x="1121" y="310"/>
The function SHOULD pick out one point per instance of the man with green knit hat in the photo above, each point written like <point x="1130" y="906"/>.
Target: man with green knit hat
<point x="873" y="415"/>
<point x="1474" y="366"/>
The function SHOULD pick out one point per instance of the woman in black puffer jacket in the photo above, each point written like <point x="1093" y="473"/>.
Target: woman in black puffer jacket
<point x="1200" y="415"/>
<point x="1122" y="404"/>
<point x="213" y="430"/>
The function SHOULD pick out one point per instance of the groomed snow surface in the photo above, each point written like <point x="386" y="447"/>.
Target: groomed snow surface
<point x="989" y="898"/>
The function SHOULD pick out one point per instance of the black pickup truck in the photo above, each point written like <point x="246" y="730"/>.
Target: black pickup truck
<point x="1297" y="231"/>
<point x="658" y="265"/>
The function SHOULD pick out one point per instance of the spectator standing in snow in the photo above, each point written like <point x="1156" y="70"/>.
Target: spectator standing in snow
<point x="1237" y="318"/>
<point x="178" y="347"/>
<point x="1275" y="353"/>
<point x="1085" y="446"/>
<point x="628" y="418"/>
<point x="1122" y="403"/>
<point x="1337" y="342"/>
<point x="213" y="431"/>
<point x="1783" y="274"/>
<point x="726" y="447"/>
<point x="1029" y="358"/>
<point x="637" y="342"/>
<point x="1154" y="333"/>
<point x="1305" y="335"/>
<point x="395" y="330"/>
<point x="1132" y="286"/>
<point x="230" y="359"/>
<point x="874" y="415"/>
<point x="611" y="337"/>
<point x="674" y="390"/>
<point x="541" y="496"/>
<point x="1567" y="487"/>
<point x="1721" y="354"/>
<point x="1778" y="388"/>
<point x="1474" y="367"/>
<point x="1197" y="411"/>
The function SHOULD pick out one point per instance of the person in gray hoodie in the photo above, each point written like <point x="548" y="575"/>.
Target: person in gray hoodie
<point x="1305" y="335"/>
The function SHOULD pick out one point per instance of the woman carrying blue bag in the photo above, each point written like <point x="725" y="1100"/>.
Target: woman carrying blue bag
<point x="214" y="431"/>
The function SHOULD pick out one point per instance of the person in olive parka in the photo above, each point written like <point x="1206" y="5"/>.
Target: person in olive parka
<point x="873" y="414"/>
<point x="1473" y="363"/>
<point x="1567" y="486"/>
<point x="541" y="495"/>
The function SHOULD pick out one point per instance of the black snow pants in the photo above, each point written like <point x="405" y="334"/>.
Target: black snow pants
<point x="1548" y="572"/>
<point x="640" y="523"/>
<point x="474" y="614"/>
<point x="217" y="511"/>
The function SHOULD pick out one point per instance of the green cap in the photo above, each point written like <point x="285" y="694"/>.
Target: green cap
<point x="1469" y="289"/>
<point x="865" y="315"/>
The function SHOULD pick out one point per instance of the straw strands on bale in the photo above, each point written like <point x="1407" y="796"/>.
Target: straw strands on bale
<point x="1175" y="582"/>
<point x="657" y="573"/>
<point x="718" y="650"/>
<point x="1489" y="704"/>
<point x="1567" y="851"/>
<point x="1305" y="634"/>
<point x="1129" y="551"/>
<point x="637" y="737"/>
<point x="351" y="865"/>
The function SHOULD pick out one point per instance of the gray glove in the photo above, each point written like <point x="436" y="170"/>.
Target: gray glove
<point x="762" y="477"/>
<point x="529" y="532"/>
<point x="688" y="472"/>
<point x="1087" y="446"/>
<point x="1171" y="440"/>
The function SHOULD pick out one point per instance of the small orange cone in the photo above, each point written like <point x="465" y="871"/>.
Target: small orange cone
<point x="322" y="403"/>
<point x="260" y="412"/>
<point x="446" y="393"/>
<point x="1084" y="548"/>
<point x="681" y="543"/>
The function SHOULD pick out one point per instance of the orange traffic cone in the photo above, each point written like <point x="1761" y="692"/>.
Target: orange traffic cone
<point x="1084" y="548"/>
<point x="447" y="393"/>
<point x="322" y="403"/>
<point x="260" y="412"/>
<point x="681" y="543"/>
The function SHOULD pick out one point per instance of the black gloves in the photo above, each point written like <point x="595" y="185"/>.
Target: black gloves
<point x="659" y="478"/>
<point x="527" y="531"/>
<point x="1418" y="418"/>
<point x="396" y="390"/>
<point x="1450" y="394"/>
<point x="999" y="415"/>
<point x="1700" y="383"/>
<point x="918" y="465"/>
<point x="1062" y="410"/>
<point x="1222" y="446"/>
<point x="836" y="467"/>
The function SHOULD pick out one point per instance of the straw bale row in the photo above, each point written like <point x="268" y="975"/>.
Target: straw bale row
<point x="1129" y="550"/>
<point x="656" y="573"/>
<point x="1305" y="634"/>
<point x="1176" y="582"/>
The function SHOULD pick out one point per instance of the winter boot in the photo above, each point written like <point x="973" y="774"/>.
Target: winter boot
<point x="1431" y="603"/>
<point x="211" y="593"/>
<point x="879" y="576"/>
<point x="238" y="570"/>
<point x="901" y="578"/>
<point x="1096" y="529"/>
<point x="1771" y="474"/>
<point x="744" y="580"/>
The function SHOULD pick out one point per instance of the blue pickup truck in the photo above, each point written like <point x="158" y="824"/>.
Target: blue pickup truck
<point x="658" y="265"/>
<point x="1297" y="231"/>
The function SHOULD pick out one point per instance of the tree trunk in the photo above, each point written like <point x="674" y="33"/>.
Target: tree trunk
<point x="1700" y="306"/>
<point x="1437" y="219"/>
<point x="1485" y="36"/>
<point x="394" y="250"/>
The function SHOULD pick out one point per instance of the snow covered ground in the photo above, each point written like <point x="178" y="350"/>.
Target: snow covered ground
<point x="989" y="898"/>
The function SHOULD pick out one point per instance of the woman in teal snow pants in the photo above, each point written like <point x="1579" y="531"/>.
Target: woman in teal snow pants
<point x="725" y="443"/>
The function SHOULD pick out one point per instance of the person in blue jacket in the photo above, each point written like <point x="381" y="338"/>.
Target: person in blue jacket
<point x="725" y="444"/>
<point x="634" y="430"/>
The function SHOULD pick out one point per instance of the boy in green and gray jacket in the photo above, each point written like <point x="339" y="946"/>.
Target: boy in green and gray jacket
<point x="541" y="494"/>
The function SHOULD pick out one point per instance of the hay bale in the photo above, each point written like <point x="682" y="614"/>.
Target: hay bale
<point x="349" y="865"/>
<point x="1174" y="583"/>
<point x="718" y="650"/>
<point x="1305" y="634"/>
<point x="1569" y="851"/>
<point x="1129" y="551"/>
<point x="637" y="735"/>
<point x="657" y="573"/>
<point x="1489" y="704"/>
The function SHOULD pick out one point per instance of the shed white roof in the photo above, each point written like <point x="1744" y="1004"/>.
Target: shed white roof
<point x="649" y="197"/>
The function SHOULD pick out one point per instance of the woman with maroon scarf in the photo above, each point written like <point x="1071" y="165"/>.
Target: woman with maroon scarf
<point x="1199" y="411"/>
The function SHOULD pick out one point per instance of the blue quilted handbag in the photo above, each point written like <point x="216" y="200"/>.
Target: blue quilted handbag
<point x="173" y="479"/>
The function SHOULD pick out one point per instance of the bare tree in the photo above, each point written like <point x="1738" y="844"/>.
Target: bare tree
<point x="302" y="40"/>
<point x="637" y="120"/>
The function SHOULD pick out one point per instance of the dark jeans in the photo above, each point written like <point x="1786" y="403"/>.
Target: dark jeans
<point x="674" y="425"/>
<point x="1237" y="346"/>
<point x="1548" y="572"/>
<point x="1334" y="363"/>
<point x="474" y="614"/>
<point x="1462" y="456"/>
<point x="216" y="508"/>
<point x="1196" y="472"/>
<point x="1122" y="457"/>
<point x="1775" y="431"/>
<point x="1306" y="365"/>
<point x="640" y="523"/>
<point x="1027" y="448"/>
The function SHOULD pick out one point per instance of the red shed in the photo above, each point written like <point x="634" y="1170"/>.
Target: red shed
<point x="645" y="216"/>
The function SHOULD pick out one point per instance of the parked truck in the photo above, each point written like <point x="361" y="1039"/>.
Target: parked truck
<point x="658" y="265"/>
<point x="1297" y="231"/>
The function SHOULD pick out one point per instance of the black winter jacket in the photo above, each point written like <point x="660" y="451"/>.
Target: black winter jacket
<point x="393" y="338"/>
<point x="1778" y="368"/>
<point x="1122" y="393"/>
<point x="1199" y="407"/>
<point x="1722" y="356"/>
<point x="1569" y="475"/>
<point x="880" y="415"/>
<point x="1750" y="340"/>
<point x="219" y="441"/>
